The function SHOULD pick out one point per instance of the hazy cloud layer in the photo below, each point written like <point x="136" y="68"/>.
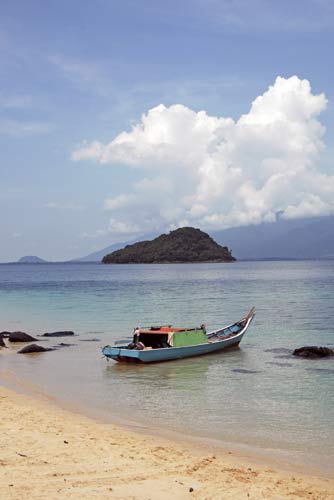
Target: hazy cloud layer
<point x="21" y="128"/>
<point x="9" y="101"/>
<point x="214" y="172"/>
<point x="64" y="206"/>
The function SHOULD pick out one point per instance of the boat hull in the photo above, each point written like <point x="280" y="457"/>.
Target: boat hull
<point x="167" y="354"/>
<point x="124" y="355"/>
<point x="218" y="340"/>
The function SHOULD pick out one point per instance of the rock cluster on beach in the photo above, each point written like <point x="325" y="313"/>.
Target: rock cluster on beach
<point x="22" y="337"/>
<point x="182" y="245"/>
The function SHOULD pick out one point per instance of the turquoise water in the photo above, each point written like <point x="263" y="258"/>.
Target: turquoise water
<point x="257" y="398"/>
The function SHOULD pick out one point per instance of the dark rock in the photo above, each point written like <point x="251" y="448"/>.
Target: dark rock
<point x="90" y="340"/>
<point x="241" y="370"/>
<point x="313" y="352"/>
<point x="20" y="337"/>
<point x="33" y="348"/>
<point x="2" y="344"/>
<point x="64" y="333"/>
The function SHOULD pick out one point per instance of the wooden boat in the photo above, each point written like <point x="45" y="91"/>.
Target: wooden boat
<point x="165" y="343"/>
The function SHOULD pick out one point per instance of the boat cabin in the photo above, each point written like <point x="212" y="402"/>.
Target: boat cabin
<point x="166" y="336"/>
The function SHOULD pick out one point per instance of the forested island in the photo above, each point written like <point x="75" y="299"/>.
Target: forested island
<point x="186" y="244"/>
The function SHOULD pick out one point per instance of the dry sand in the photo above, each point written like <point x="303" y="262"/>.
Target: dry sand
<point x="50" y="453"/>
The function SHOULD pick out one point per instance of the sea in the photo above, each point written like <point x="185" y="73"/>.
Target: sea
<point x="258" y="400"/>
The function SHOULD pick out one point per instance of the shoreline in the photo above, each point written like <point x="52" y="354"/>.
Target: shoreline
<point x="251" y="453"/>
<point x="49" y="451"/>
<point x="243" y="451"/>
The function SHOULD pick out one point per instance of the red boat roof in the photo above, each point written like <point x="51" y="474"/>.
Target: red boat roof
<point x="164" y="329"/>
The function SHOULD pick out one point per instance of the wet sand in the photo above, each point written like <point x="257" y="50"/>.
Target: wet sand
<point x="49" y="452"/>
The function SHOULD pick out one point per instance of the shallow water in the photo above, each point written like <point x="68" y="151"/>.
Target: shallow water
<point x="258" y="396"/>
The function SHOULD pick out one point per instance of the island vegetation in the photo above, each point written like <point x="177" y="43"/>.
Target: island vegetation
<point x="186" y="244"/>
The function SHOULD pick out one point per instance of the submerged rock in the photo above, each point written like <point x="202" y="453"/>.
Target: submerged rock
<point x="284" y="365"/>
<point x="33" y="348"/>
<point x="90" y="340"/>
<point x="326" y="371"/>
<point x="20" y="337"/>
<point x="313" y="352"/>
<point x="65" y="333"/>
<point x="241" y="370"/>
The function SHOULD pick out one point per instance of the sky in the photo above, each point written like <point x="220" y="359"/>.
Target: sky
<point x="124" y="118"/>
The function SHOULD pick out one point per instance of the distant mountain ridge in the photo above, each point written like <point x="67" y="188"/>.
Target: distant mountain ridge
<point x="311" y="238"/>
<point x="185" y="244"/>
<point x="99" y="254"/>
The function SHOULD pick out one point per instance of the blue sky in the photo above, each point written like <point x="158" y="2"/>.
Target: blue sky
<point x="75" y="72"/>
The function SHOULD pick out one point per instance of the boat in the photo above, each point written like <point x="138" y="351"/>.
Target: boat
<point x="165" y="343"/>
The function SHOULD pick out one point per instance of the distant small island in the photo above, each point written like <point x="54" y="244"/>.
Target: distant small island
<point x="186" y="244"/>
<point x="31" y="259"/>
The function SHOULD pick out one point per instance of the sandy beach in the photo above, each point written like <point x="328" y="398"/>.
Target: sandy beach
<point x="49" y="452"/>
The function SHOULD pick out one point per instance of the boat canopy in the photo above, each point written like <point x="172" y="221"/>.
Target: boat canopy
<point x="172" y="337"/>
<point x="189" y="337"/>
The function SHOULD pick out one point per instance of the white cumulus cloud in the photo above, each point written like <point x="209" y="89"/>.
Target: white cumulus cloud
<point x="215" y="172"/>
